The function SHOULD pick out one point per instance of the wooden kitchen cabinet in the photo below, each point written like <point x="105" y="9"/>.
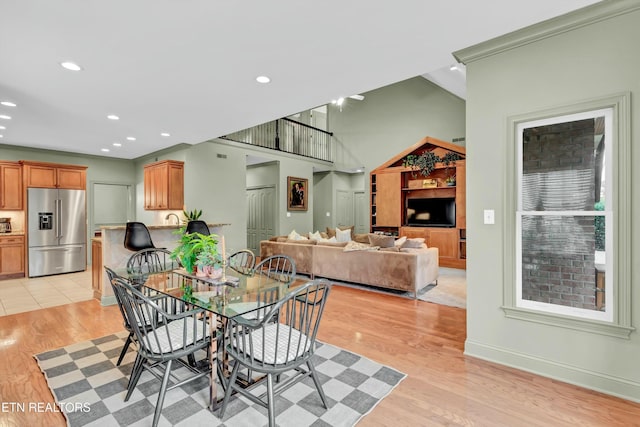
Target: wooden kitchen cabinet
<point x="164" y="185"/>
<point x="11" y="257"/>
<point x="11" y="186"/>
<point x="96" y="268"/>
<point x="52" y="175"/>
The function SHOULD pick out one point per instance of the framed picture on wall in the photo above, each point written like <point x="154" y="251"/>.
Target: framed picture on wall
<point x="297" y="193"/>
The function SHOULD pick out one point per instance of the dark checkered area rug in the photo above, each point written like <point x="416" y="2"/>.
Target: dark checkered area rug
<point x="89" y="389"/>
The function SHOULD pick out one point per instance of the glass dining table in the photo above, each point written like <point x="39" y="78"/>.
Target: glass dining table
<point x="233" y="294"/>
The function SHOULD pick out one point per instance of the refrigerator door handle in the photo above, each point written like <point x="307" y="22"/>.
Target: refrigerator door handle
<point x="58" y="218"/>
<point x="55" y="218"/>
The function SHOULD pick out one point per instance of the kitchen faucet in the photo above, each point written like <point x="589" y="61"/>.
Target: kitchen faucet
<point x="177" y="218"/>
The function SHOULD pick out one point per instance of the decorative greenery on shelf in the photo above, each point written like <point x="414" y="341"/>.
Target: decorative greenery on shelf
<point x="195" y="249"/>
<point x="426" y="162"/>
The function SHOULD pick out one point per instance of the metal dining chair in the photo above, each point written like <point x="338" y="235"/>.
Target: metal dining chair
<point x="112" y="275"/>
<point x="164" y="338"/>
<point x="280" y="342"/>
<point x="242" y="261"/>
<point x="278" y="267"/>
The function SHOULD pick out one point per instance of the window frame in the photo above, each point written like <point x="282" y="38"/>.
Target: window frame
<point x="617" y="323"/>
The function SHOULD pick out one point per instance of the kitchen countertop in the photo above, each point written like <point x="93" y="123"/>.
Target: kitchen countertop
<point x="13" y="233"/>
<point x="158" y="227"/>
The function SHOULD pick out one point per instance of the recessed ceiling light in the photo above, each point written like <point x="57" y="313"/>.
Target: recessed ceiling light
<point x="113" y="117"/>
<point x="263" y="79"/>
<point x="131" y="138"/>
<point x="8" y="104"/>
<point x="4" y="116"/>
<point x="117" y="144"/>
<point x="0" y="136"/>
<point x="2" y="127"/>
<point x="71" y="66"/>
<point x="165" y="134"/>
<point x="106" y="150"/>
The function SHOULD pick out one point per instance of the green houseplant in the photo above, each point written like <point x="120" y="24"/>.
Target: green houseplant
<point x="192" y="215"/>
<point x="426" y="162"/>
<point x="196" y="250"/>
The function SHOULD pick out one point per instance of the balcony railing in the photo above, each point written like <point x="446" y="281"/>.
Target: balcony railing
<point x="288" y="136"/>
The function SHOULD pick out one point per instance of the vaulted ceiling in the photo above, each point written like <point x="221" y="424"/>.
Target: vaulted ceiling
<point x="189" y="68"/>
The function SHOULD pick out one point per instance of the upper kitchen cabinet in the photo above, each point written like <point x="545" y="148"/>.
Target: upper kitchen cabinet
<point x="52" y="175"/>
<point x="164" y="185"/>
<point x="10" y="186"/>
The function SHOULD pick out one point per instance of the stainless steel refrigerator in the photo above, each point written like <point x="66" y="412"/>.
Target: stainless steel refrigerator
<point x="57" y="231"/>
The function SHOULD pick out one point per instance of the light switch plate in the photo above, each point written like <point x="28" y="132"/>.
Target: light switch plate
<point x="489" y="216"/>
<point x="288" y="214"/>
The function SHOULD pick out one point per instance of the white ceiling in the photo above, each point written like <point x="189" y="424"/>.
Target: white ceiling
<point x="189" y="67"/>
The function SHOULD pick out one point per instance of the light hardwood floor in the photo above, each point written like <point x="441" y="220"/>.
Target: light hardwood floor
<point x="424" y="340"/>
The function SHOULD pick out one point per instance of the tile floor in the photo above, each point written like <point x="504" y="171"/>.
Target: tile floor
<point x="24" y="294"/>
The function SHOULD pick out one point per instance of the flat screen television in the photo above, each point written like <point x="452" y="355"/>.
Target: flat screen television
<point x="432" y="212"/>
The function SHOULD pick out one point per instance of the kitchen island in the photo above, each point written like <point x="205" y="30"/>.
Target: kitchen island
<point x="112" y="253"/>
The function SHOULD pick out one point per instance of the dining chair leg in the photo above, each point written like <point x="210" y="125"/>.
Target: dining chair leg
<point x="316" y="380"/>
<point x="135" y="376"/>
<point x="227" y="393"/>
<point x="125" y="348"/>
<point x="161" y="393"/>
<point x="270" y="401"/>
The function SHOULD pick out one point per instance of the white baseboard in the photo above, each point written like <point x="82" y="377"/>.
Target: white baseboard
<point x="603" y="383"/>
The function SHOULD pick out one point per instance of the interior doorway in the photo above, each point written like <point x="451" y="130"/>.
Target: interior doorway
<point x="261" y="215"/>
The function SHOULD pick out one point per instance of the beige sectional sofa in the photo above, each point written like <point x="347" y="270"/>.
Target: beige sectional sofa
<point x="409" y="271"/>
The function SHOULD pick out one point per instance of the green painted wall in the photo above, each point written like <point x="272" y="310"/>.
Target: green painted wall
<point x="369" y="132"/>
<point x="591" y="61"/>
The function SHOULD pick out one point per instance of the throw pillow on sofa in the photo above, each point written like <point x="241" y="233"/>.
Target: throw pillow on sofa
<point x="399" y="242"/>
<point x="315" y="236"/>
<point x="381" y="240"/>
<point x="331" y="232"/>
<point x="415" y="243"/>
<point x="361" y="238"/>
<point x="343" y="235"/>
<point x="295" y="236"/>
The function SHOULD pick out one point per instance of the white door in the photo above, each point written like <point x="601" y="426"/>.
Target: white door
<point x="261" y="216"/>
<point x="344" y="208"/>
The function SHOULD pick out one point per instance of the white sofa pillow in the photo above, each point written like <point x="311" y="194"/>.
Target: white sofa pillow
<point x="315" y="236"/>
<point x="343" y="235"/>
<point x="295" y="236"/>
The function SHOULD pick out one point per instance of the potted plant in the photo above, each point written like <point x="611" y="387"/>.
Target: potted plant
<point x="425" y="162"/>
<point x="192" y="215"/>
<point x="449" y="160"/>
<point x="195" y="249"/>
<point x="208" y="259"/>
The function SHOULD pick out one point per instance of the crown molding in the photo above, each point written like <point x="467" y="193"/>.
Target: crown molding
<point x="570" y="21"/>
